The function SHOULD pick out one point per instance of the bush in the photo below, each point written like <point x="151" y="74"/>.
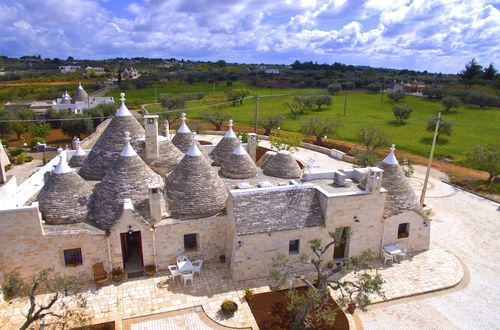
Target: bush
<point x="229" y="306"/>
<point x="28" y="158"/>
<point x="248" y="294"/>
<point x="373" y="87"/>
<point x="5" y="142"/>
<point x="34" y="142"/>
<point x="396" y="95"/>
<point x="20" y="159"/>
<point x="16" y="152"/>
<point x="402" y="112"/>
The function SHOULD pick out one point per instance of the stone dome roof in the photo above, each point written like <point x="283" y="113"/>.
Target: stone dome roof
<point x="225" y="147"/>
<point x="64" y="197"/>
<point x="239" y="165"/>
<point x="400" y="196"/>
<point x="80" y="95"/>
<point x="194" y="189"/>
<point x="169" y="156"/>
<point x="79" y="156"/>
<point x="283" y="165"/>
<point x="110" y="143"/>
<point x="265" y="158"/>
<point x="183" y="138"/>
<point x="128" y="177"/>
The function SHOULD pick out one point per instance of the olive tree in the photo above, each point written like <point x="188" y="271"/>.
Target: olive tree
<point x="402" y="112"/>
<point x="373" y="138"/>
<point x="320" y="128"/>
<point x="269" y="122"/>
<point x="396" y="95"/>
<point x="486" y="158"/>
<point x="444" y="127"/>
<point x="451" y="102"/>
<point x="320" y="100"/>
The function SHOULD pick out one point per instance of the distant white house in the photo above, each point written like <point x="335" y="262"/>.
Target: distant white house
<point x="95" y="70"/>
<point x="69" y="68"/>
<point x="80" y="100"/>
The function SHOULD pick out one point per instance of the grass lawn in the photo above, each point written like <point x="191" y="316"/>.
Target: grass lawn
<point x="471" y="125"/>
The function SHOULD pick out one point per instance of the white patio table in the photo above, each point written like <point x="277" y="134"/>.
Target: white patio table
<point x="393" y="249"/>
<point x="185" y="266"/>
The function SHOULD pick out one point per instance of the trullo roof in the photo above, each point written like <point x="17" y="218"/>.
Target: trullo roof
<point x="80" y="95"/>
<point x="283" y="165"/>
<point x="225" y="147"/>
<point x="239" y="165"/>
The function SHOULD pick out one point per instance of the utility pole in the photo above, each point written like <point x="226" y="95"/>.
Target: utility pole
<point x="156" y="99"/>
<point x="345" y="101"/>
<point x="382" y="97"/>
<point x="428" y="172"/>
<point x="256" y="118"/>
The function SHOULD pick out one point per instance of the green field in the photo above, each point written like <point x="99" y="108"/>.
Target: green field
<point x="471" y="125"/>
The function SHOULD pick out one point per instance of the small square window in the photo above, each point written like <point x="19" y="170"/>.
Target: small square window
<point x="151" y="121"/>
<point x="73" y="257"/>
<point x="293" y="246"/>
<point x="190" y="242"/>
<point x="403" y="230"/>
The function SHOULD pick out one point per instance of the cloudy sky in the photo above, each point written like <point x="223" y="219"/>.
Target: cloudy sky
<point x="433" y="35"/>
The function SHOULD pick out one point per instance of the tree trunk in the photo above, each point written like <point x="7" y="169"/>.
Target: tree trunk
<point x="300" y="317"/>
<point x="318" y="140"/>
<point x="267" y="131"/>
<point x="490" y="178"/>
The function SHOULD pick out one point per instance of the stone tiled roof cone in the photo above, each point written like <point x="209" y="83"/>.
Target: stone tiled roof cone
<point x="194" y="189"/>
<point x="128" y="177"/>
<point x="110" y="143"/>
<point x="225" y="147"/>
<point x="400" y="196"/>
<point x="80" y="95"/>
<point x="183" y="138"/>
<point x="283" y="165"/>
<point x="239" y="165"/>
<point x="79" y="156"/>
<point x="64" y="197"/>
<point x="169" y="155"/>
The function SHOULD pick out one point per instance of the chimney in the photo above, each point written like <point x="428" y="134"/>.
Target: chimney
<point x="252" y="145"/>
<point x="374" y="179"/>
<point x="151" y="129"/>
<point x="155" y="196"/>
<point x="166" y="129"/>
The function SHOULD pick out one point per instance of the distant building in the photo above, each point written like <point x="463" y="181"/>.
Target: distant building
<point x="69" y="68"/>
<point x="95" y="70"/>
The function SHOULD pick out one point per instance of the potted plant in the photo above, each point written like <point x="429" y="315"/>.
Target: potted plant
<point x="229" y="307"/>
<point x="248" y="294"/>
<point x="150" y="270"/>
<point x="73" y="263"/>
<point x="351" y="307"/>
<point x="117" y="274"/>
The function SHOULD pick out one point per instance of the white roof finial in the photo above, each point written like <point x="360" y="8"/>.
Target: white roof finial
<point x="123" y="110"/>
<point x="63" y="166"/>
<point x="230" y="133"/>
<point x="194" y="151"/>
<point x="239" y="150"/>
<point x="128" y="151"/>
<point x="79" y="150"/>
<point x="391" y="158"/>
<point x="80" y="85"/>
<point x="183" y="128"/>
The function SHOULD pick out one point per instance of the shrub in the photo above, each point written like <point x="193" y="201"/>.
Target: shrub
<point x="34" y="142"/>
<point x="248" y="294"/>
<point x="8" y="167"/>
<point x="5" y="142"/>
<point x="396" y="96"/>
<point x="402" y="112"/>
<point x="373" y="87"/>
<point x="28" y="158"/>
<point x="229" y="306"/>
<point x="20" y="159"/>
<point x="16" y="152"/>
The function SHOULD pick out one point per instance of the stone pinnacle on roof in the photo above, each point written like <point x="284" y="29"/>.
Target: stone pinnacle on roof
<point x="194" y="189"/>
<point x="128" y="177"/>
<point x="283" y="165"/>
<point x="225" y="147"/>
<point x="239" y="165"/>
<point x="182" y="138"/>
<point x="63" y="198"/>
<point x="80" y="95"/>
<point x="79" y="156"/>
<point x="110" y="143"/>
<point x="400" y="196"/>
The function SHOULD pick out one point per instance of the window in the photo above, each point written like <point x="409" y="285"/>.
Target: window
<point x="190" y="242"/>
<point x="403" y="230"/>
<point x="73" y="257"/>
<point x="293" y="247"/>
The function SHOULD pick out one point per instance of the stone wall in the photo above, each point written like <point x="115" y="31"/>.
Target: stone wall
<point x="25" y="247"/>
<point x="419" y="234"/>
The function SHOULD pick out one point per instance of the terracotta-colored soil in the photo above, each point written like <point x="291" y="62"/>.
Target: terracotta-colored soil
<point x="55" y="138"/>
<point x="47" y="83"/>
<point x="270" y="311"/>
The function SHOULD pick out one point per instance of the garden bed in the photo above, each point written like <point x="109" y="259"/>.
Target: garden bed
<point x="270" y="312"/>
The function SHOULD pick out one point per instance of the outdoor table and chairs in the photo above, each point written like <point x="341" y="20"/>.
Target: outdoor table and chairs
<point x="185" y="269"/>
<point x="395" y="250"/>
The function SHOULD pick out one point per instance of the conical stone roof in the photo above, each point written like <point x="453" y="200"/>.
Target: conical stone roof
<point x="80" y="95"/>
<point x="65" y="98"/>
<point x="128" y="177"/>
<point x="110" y="143"/>
<point x="183" y="138"/>
<point x="400" y="196"/>
<point x="193" y="188"/>
<point x="64" y="197"/>
<point x="79" y="156"/>
<point x="239" y="165"/>
<point x="169" y="156"/>
<point x="283" y="165"/>
<point x="266" y="158"/>
<point x="225" y="147"/>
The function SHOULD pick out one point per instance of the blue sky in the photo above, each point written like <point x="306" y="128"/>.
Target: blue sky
<point x="437" y="35"/>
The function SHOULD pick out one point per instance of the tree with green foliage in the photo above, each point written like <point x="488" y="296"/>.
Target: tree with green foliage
<point x="444" y="127"/>
<point x="19" y="128"/>
<point x="284" y="140"/>
<point x="402" y="112"/>
<point x="433" y="92"/>
<point x="358" y="290"/>
<point x="80" y="125"/>
<point x="217" y="112"/>
<point x="170" y="103"/>
<point x="365" y="158"/>
<point x="268" y="122"/>
<point x="482" y="99"/>
<point x="486" y="158"/>
<point x="471" y="73"/>
<point x="5" y="127"/>
<point x="62" y="305"/>
<point x="334" y="88"/>
<point x="26" y="114"/>
<point x="396" y="95"/>
<point x="451" y="102"/>
<point x="319" y="128"/>
<point x="490" y="72"/>
<point x="320" y="100"/>
<point x="299" y="106"/>
<point x="373" y="87"/>
<point x="373" y="138"/>
<point x="237" y="95"/>
<point x="39" y="130"/>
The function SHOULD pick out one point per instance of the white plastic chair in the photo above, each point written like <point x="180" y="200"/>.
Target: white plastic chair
<point x="403" y="250"/>
<point x="387" y="257"/>
<point x="187" y="277"/>
<point x="197" y="266"/>
<point x="174" y="270"/>
<point x="182" y="258"/>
